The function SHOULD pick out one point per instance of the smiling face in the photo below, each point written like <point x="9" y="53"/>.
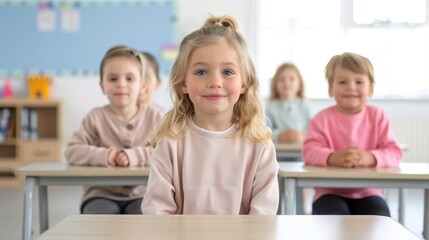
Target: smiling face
<point x="213" y="81"/>
<point x="350" y="90"/>
<point x="121" y="82"/>
<point x="288" y="84"/>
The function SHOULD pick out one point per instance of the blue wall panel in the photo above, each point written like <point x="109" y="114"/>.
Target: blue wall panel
<point x="23" y="48"/>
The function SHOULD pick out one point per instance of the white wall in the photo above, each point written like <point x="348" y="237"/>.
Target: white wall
<point x="80" y="94"/>
<point x="394" y="108"/>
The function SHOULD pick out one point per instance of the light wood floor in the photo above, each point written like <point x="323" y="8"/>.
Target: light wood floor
<point x="64" y="201"/>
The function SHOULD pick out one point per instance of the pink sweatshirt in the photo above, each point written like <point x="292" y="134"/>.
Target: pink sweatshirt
<point x="331" y="130"/>
<point x="101" y="131"/>
<point x="212" y="173"/>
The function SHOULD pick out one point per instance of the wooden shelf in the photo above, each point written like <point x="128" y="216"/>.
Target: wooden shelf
<point x="16" y="151"/>
<point x="12" y="182"/>
<point x="8" y="142"/>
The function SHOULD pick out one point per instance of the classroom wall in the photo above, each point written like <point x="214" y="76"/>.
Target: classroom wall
<point x="80" y="94"/>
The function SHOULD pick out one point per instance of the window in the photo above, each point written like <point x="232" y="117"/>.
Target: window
<point x="385" y="13"/>
<point x="309" y="32"/>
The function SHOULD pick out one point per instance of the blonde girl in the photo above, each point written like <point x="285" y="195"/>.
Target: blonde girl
<point x="213" y="153"/>
<point x="287" y="110"/>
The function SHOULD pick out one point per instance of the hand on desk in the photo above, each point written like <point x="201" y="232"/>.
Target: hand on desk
<point x="290" y="136"/>
<point x="351" y="157"/>
<point x="118" y="158"/>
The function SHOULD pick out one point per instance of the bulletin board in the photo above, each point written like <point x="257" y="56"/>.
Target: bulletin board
<point x="35" y="43"/>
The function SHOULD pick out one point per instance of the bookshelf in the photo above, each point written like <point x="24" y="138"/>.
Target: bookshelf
<point x="26" y="141"/>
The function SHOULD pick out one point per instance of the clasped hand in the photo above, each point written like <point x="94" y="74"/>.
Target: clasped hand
<point x="118" y="158"/>
<point x="351" y="157"/>
<point x="290" y="136"/>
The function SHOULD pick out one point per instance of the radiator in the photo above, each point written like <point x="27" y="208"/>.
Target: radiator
<point x="414" y="133"/>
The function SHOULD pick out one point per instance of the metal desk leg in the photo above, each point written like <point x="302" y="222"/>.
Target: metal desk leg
<point x="43" y="208"/>
<point x="401" y="205"/>
<point x="426" y="215"/>
<point x="280" y="209"/>
<point x="300" y="201"/>
<point x="290" y="196"/>
<point x="27" y="226"/>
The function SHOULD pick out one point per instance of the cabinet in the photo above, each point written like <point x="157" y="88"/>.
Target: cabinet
<point x="32" y="133"/>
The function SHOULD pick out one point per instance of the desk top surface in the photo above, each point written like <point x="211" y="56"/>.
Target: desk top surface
<point x="288" y="146"/>
<point x="298" y="146"/>
<point x="410" y="171"/>
<point x="217" y="227"/>
<point x="64" y="170"/>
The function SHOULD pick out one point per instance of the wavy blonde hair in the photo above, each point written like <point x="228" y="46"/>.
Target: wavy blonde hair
<point x="274" y="94"/>
<point x="247" y="112"/>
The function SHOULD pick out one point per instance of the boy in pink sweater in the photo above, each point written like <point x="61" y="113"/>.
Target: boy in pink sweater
<point x="116" y="135"/>
<point x="350" y="135"/>
<point x="213" y="152"/>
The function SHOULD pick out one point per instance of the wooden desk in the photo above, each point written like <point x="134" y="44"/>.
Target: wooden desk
<point x="294" y="150"/>
<point x="407" y="175"/>
<point x="291" y="152"/>
<point x="225" y="227"/>
<point x="49" y="174"/>
<point x="286" y="151"/>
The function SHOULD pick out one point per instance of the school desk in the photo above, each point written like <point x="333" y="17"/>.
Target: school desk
<point x="55" y="173"/>
<point x="291" y="152"/>
<point x="286" y="151"/>
<point x="226" y="227"/>
<point x="408" y="175"/>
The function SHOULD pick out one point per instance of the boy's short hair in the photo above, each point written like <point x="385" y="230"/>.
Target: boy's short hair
<point x="350" y="61"/>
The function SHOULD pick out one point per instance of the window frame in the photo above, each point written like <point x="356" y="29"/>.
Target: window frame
<point x="347" y="14"/>
<point x="266" y="65"/>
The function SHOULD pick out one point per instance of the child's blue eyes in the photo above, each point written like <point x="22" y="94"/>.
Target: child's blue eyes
<point x="226" y="73"/>
<point x="345" y="82"/>
<point x="201" y="73"/>
<point x="129" y="79"/>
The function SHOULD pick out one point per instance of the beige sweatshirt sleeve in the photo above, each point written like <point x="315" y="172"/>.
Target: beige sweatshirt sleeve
<point x="160" y="199"/>
<point x="138" y="156"/>
<point x="83" y="148"/>
<point x="265" y="193"/>
<point x="140" y="153"/>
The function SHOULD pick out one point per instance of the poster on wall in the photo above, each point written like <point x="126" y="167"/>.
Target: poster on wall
<point x="71" y="37"/>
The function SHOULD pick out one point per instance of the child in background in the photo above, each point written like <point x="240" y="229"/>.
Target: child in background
<point x="213" y="153"/>
<point x="288" y="114"/>
<point x="116" y="135"/>
<point x="351" y="134"/>
<point x="154" y="82"/>
<point x="286" y="110"/>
